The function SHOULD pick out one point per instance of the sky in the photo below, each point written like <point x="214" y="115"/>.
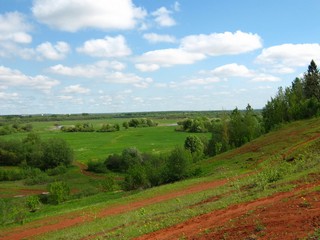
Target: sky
<point x="111" y="56"/>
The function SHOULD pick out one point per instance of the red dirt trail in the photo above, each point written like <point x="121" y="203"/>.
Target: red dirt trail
<point x="195" y="226"/>
<point x="60" y="222"/>
<point x="284" y="216"/>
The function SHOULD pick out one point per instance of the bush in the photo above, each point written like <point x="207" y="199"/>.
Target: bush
<point x="136" y="178"/>
<point x="107" y="184"/>
<point x="33" y="203"/>
<point x="12" y="211"/>
<point x="97" y="167"/>
<point x="55" y="152"/>
<point x="57" y="171"/>
<point x="35" y="176"/>
<point x="11" y="174"/>
<point x="58" y="192"/>
<point x="178" y="164"/>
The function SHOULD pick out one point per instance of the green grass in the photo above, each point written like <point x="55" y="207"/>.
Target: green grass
<point x="97" y="146"/>
<point x="260" y="155"/>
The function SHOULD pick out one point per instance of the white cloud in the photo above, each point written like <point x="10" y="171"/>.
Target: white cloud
<point x="10" y="77"/>
<point x="194" y="48"/>
<point x="217" y="44"/>
<point x="163" y="18"/>
<point x="97" y="69"/>
<point x="76" y="89"/>
<point x="155" y="38"/>
<point x="107" y="47"/>
<point x="8" y="96"/>
<point x="14" y="27"/>
<point x="232" y="70"/>
<point x="53" y="52"/>
<point x="289" y="55"/>
<point x="153" y="60"/>
<point x="147" y="67"/>
<point x="265" y="78"/>
<point x="201" y="81"/>
<point x="73" y="15"/>
<point x="128" y="78"/>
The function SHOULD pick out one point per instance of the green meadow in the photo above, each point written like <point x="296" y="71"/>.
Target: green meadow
<point x="98" y="145"/>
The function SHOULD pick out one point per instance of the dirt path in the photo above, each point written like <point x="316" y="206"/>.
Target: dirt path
<point x="192" y="227"/>
<point x="283" y="216"/>
<point x="83" y="170"/>
<point x="52" y="224"/>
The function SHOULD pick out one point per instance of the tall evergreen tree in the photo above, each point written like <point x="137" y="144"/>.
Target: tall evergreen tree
<point x="312" y="82"/>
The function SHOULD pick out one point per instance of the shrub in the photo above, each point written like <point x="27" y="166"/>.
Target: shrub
<point x="107" y="184"/>
<point x="12" y="211"/>
<point x="55" y="152"/>
<point x="58" y="192"/>
<point x="97" y="167"/>
<point x="35" y="176"/>
<point x="136" y="178"/>
<point x="61" y="169"/>
<point x="33" y="203"/>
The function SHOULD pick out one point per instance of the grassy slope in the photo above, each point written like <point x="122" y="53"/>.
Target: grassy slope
<point x="266" y="152"/>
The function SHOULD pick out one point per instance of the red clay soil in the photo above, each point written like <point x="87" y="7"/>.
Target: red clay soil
<point x="51" y="224"/>
<point x="285" y="216"/>
<point x="191" y="228"/>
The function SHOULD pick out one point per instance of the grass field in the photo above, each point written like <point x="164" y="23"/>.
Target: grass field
<point x="256" y="170"/>
<point x="97" y="146"/>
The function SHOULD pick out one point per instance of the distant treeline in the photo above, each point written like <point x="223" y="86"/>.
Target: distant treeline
<point x="108" y="127"/>
<point x="92" y="116"/>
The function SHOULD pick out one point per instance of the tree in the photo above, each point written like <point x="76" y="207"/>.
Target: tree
<point x="55" y="152"/>
<point x="195" y="146"/>
<point x="136" y="178"/>
<point x="178" y="164"/>
<point x="312" y="82"/>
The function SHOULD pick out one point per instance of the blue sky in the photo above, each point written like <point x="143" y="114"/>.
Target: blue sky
<point x="100" y="56"/>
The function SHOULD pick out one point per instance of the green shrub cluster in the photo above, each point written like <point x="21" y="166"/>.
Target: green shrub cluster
<point x="34" y="152"/>
<point x="196" y="125"/>
<point x="79" y="127"/>
<point x="6" y="129"/>
<point x="139" y="122"/>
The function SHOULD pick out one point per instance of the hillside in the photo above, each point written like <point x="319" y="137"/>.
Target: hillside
<point x="266" y="189"/>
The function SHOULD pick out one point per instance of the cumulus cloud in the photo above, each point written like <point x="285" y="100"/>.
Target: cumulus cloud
<point x="163" y="18"/>
<point x="14" y="27"/>
<point x="286" y="56"/>
<point x="156" y="38"/>
<point x="128" y="78"/>
<point x="97" y="69"/>
<point x="10" y="77"/>
<point x="53" y="52"/>
<point x="153" y="60"/>
<point x="107" y="47"/>
<point x="226" y="43"/>
<point x="73" y="15"/>
<point x="198" y="47"/>
<point x="232" y="70"/>
<point x="201" y="81"/>
<point x="76" y="89"/>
